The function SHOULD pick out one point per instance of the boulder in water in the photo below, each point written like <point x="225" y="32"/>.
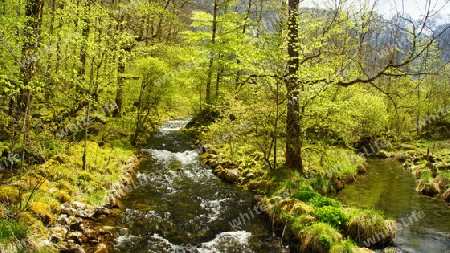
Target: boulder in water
<point x="427" y="188"/>
<point x="446" y="196"/>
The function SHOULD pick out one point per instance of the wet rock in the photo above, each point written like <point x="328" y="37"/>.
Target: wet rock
<point x="403" y="157"/>
<point x="74" y="248"/>
<point x="90" y="234"/>
<point x="391" y="250"/>
<point x="443" y="166"/>
<point x="101" y="248"/>
<point x="77" y="237"/>
<point x="62" y="220"/>
<point x="406" y="147"/>
<point x="250" y="176"/>
<point x="361" y="169"/>
<point x="106" y="233"/>
<point x="77" y="226"/>
<point x="446" y="196"/>
<point x="427" y="188"/>
<point x="406" y="165"/>
<point x="212" y="163"/>
<point x="442" y="183"/>
<point x="78" y="205"/>
<point x="73" y="221"/>
<point x="257" y="199"/>
<point x="230" y="176"/>
<point x="113" y="203"/>
<point x="67" y="208"/>
<point x="123" y="231"/>
<point x="101" y="211"/>
<point x="58" y="234"/>
<point x="106" y="230"/>
<point x="382" y="154"/>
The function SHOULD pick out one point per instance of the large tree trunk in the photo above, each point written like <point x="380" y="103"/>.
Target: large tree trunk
<point x="33" y="11"/>
<point x="293" y="130"/>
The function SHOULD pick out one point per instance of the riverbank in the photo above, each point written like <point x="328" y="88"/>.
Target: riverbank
<point x="50" y="207"/>
<point x="297" y="204"/>
<point x="429" y="161"/>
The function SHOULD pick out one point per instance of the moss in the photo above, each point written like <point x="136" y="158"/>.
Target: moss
<point x="9" y="194"/>
<point x="63" y="197"/>
<point x="55" y="205"/>
<point x="301" y="208"/>
<point x="427" y="188"/>
<point x="320" y="237"/>
<point x="367" y="224"/>
<point x="331" y="215"/>
<point x="85" y="175"/>
<point x="42" y="211"/>
<point x="64" y="186"/>
<point x="25" y="217"/>
<point x="299" y="223"/>
<point x="344" y="246"/>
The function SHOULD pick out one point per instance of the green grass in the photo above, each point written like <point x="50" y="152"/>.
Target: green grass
<point x="11" y="230"/>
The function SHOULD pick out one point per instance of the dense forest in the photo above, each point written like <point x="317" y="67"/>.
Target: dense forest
<point x="295" y="97"/>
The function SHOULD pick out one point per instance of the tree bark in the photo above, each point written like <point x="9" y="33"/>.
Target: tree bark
<point x="293" y="129"/>
<point x="211" y="57"/>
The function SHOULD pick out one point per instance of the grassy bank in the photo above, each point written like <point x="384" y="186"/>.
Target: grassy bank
<point x="429" y="161"/>
<point x="32" y="202"/>
<point x="297" y="204"/>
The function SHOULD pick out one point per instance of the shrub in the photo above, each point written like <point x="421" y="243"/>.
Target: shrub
<point x="331" y="215"/>
<point x="321" y="201"/>
<point x="320" y="237"/>
<point x="306" y="195"/>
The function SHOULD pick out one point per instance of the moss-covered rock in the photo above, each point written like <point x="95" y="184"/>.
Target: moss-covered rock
<point x="370" y="227"/>
<point x="300" y="208"/>
<point x="427" y="188"/>
<point x="42" y="211"/>
<point x="63" y="197"/>
<point x="446" y="195"/>
<point x="345" y="246"/>
<point x="320" y="238"/>
<point x="9" y="194"/>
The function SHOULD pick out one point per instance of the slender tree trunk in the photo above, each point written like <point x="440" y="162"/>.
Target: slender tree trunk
<point x="293" y="129"/>
<point x="211" y="59"/>
<point x="85" y="30"/>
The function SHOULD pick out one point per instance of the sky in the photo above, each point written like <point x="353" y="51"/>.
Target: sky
<point x="416" y="8"/>
<point x="388" y="8"/>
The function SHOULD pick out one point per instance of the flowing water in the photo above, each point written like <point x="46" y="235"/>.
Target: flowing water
<point x="178" y="205"/>
<point x="387" y="187"/>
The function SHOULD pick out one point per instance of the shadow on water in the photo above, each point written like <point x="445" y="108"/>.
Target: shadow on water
<point x="387" y="187"/>
<point x="178" y="205"/>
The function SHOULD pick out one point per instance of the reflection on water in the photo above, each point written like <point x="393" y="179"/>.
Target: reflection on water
<point x="387" y="187"/>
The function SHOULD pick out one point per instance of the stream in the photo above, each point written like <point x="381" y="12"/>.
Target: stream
<point x="387" y="187"/>
<point x="178" y="205"/>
